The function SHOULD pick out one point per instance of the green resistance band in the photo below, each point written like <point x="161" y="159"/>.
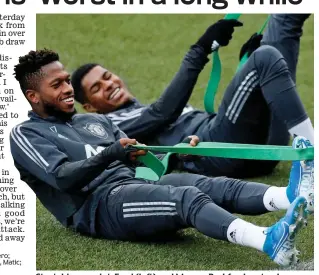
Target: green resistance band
<point x="155" y="168"/>
<point x="215" y="76"/>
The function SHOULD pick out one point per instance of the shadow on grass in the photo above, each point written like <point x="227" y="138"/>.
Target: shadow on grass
<point x="167" y="237"/>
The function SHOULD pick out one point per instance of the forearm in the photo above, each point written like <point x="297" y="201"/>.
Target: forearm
<point x="171" y="103"/>
<point x="73" y="176"/>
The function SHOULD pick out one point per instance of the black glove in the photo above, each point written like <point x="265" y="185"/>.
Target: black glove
<point x="252" y="44"/>
<point x="221" y="32"/>
<point x="117" y="152"/>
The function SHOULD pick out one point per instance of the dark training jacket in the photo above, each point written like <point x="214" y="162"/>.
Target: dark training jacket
<point x="60" y="161"/>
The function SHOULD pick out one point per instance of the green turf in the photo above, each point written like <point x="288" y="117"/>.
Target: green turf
<point x="146" y="50"/>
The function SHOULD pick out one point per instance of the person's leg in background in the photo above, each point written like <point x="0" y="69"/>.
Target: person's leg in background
<point x="258" y="123"/>
<point x="284" y="32"/>
<point x="262" y="87"/>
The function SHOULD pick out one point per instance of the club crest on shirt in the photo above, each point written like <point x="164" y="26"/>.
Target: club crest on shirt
<point x="96" y="129"/>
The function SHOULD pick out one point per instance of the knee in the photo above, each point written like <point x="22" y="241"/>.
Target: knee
<point x="192" y="201"/>
<point x="267" y="50"/>
<point x="192" y="195"/>
<point x="269" y="60"/>
<point x="267" y="54"/>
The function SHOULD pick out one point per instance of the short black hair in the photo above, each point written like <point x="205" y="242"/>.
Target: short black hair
<point x="76" y="80"/>
<point x="28" y="71"/>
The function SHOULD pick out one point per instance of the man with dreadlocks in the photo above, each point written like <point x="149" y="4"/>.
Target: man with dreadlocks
<point x="258" y="107"/>
<point x="82" y="171"/>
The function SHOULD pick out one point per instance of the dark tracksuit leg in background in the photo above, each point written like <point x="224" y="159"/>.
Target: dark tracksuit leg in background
<point x="284" y="32"/>
<point x="145" y="210"/>
<point x="262" y="87"/>
<point x="255" y="123"/>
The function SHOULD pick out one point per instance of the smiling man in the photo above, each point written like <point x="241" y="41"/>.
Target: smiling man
<point x="57" y="98"/>
<point x="105" y="98"/>
<point x="82" y="171"/>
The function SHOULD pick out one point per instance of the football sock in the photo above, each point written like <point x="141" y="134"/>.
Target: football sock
<point x="304" y="129"/>
<point x="275" y="198"/>
<point x="246" y="234"/>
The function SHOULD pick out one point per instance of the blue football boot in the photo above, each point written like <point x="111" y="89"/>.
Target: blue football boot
<point x="301" y="181"/>
<point x="280" y="239"/>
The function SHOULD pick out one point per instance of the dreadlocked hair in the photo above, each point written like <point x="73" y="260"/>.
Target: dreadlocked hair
<point x="76" y="81"/>
<point x="28" y="71"/>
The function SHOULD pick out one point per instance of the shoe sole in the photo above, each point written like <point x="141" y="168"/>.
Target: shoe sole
<point x="298" y="219"/>
<point x="303" y="141"/>
<point x="310" y="196"/>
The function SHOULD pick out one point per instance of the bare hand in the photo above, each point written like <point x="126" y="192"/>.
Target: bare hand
<point x="194" y="140"/>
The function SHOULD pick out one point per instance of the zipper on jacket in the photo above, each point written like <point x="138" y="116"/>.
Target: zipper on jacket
<point x="70" y="126"/>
